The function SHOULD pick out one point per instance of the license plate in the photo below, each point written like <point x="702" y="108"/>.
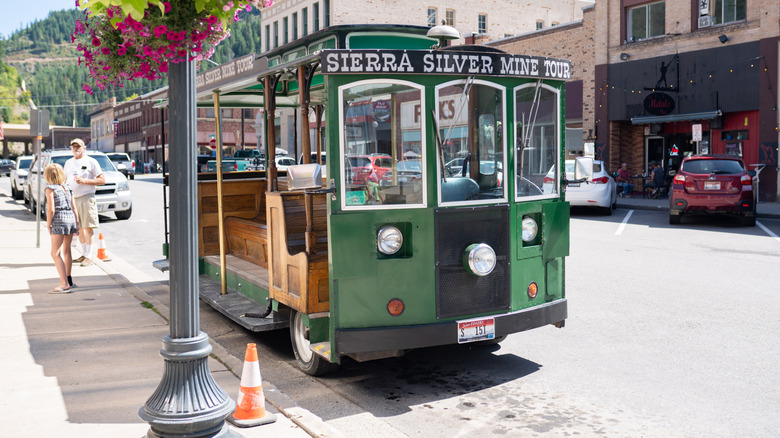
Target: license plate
<point x="711" y="185"/>
<point x="479" y="329"/>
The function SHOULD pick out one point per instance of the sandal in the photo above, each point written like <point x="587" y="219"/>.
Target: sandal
<point x="59" y="290"/>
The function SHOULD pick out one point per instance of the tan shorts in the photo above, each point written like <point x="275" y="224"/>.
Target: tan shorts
<point x="86" y="207"/>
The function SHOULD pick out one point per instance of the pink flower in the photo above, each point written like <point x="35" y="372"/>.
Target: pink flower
<point x="105" y="50"/>
<point x="212" y="19"/>
<point x="164" y="67"/>
<point x="85" y="87"/>
<point x="121" y="51"/>
<point x="95" y="41"/>
<point x="167" y="7"/>
<point x="160" y="30"/>
<point x="107" y="67"/>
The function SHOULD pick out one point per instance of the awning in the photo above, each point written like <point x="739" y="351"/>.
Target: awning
<point x="704" y="115"/>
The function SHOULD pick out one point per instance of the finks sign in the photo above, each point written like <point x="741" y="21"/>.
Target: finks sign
<point x="443" y="62"/>
<point x="659" y="104"/>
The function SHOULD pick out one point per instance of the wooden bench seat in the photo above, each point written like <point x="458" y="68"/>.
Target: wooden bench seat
<point x="247" y="239"/>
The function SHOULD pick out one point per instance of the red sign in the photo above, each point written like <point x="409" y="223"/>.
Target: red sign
<point x="213" y="143"/>
<point x="381" y="110"/>
<point x="659" y="104"/>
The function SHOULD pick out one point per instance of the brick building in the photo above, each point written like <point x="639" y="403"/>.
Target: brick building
<point x="661" y="70"/>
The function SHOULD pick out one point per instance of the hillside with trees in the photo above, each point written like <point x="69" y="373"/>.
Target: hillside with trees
<point x="43" y="58"/>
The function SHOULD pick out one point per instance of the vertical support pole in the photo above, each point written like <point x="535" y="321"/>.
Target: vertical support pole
<point x="220" y="218"/>
<point x="187" y="402"/>
<point x="318" y="111"/>
<point x="269" y="87"/>
<point x="303" y="95"/>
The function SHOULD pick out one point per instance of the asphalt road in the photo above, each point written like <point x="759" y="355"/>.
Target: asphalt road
<point x="671" y="333"/>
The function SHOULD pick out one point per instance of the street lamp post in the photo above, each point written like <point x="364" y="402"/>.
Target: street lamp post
<point x="187" y="402"/>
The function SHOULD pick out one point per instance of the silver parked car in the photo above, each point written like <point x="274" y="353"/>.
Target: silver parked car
<point x="19" y="176"/>
<point x="600" y="191"/>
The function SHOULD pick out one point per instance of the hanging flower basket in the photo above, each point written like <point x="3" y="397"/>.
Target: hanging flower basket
<point x="120" y="43"/>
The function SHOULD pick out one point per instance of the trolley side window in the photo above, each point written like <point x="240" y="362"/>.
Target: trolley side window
<point x="470" y="120"/>
<point x="537" y="141"/>
<point x="382" y="146"/>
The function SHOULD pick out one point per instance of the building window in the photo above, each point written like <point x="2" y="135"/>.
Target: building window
<point x="248" y="113"/>
<point x="726" y="11"/>
<point x="539" y="24"/>
<point x="276" y="34"/>
<point x="482" y="23"/>
<point x="431" y="17"/>
<point x="285" y="30"/>
<point x="227" y="113"/>
<point x="316" y="12"/>
<point x="295" y="25"/>
<point x="326" y="12"/>
<point x="267" y="37"/>
<point x="646" y="21"/>
<point x="305" y="21"/>
<point x="554" y="23"/>
<point x="449" y="16"/>
<point x="210" y="113"/>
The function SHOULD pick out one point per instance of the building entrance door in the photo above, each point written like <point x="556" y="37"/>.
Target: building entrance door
<point x="654" y="151"/>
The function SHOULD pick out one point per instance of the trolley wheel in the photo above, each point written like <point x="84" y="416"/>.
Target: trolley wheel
<point x="310" y="363"/>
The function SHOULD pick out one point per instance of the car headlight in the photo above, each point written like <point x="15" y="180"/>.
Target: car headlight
<point x="530" y="229"/>
<point x="121" y="187"/>
<point x="479" y="259"/>
<point x="389" y="240"/>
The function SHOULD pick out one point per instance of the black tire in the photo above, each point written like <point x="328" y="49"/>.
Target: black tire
<point x="675" y="219"/>
<point x="309" y="362"/>
<point x="14" y="193"/>
<point x="124" y="215"/>
<point x="607" y="210"/>
<point x="132" y="176"/>
<point x="748" y="221"/>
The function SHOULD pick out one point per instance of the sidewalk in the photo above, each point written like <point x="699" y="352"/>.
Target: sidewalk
<point x="769" y="210"/>
<point x="82" y="364"/>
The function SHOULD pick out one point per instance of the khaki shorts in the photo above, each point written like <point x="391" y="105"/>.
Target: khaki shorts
<point x="86" y="207"/>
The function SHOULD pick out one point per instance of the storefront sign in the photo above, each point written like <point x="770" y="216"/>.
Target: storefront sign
<point x="431" y="62"/>
<point x="381" y="110"/>
<point x="230" y="71"/>
<point x="659" y="104"/>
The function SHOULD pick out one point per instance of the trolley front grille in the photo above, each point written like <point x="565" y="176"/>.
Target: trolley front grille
<point x="457" y="291"/>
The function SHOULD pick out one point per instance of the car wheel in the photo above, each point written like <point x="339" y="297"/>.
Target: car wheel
<point x="123" y="215"/>
<point x="674" y="219"/>
<point x="13" y="192"/>
<point x="748" y="221"/>
<point x="132" y="176"/>
<point x="309" y="362"/>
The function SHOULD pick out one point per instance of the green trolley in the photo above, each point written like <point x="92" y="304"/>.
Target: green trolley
<point x="437" y="218"/>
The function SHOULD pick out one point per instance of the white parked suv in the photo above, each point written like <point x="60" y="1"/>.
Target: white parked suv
<point x="19" y="176"/>
<point x="114" y="196"/>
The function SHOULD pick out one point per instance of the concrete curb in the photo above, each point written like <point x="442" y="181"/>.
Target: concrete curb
<point x="310" y="423"/>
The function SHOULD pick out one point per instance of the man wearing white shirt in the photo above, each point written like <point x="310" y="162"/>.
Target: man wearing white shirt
<point x="84" y="174"/>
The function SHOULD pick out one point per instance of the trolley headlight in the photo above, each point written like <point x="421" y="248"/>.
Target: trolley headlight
<point x="479" y="259"/>
<point x="389" y="240"/>
<point x="530" y="229"/>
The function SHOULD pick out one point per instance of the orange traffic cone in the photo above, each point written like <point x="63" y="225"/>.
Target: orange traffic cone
<point x="250" y="406"/>
<point x="102" y="254"/>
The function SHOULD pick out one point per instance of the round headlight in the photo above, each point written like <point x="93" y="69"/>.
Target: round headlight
<point x="389" y="240"/>
<point x="530" y="229"/>
<point x="479" y="259"/>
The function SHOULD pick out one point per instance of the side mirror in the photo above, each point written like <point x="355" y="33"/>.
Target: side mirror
<point x="751" y="173"/>
<point x="583" y="168"/>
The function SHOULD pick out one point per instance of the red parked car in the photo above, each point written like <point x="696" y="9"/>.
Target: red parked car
<point x="363" y="165"/>
<point x="713" y="184"/>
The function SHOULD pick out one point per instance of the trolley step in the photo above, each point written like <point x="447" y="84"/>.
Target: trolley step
<point x="236" y="306"/>
<point x="321" y="349"/>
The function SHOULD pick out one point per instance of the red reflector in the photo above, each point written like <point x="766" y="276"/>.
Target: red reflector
<point x="395" y="307"/>
<point x="679" y="204"/>
<point x="532" y="290"/>
<point x="746" y="180"/>
<point x="745" y="204"/>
